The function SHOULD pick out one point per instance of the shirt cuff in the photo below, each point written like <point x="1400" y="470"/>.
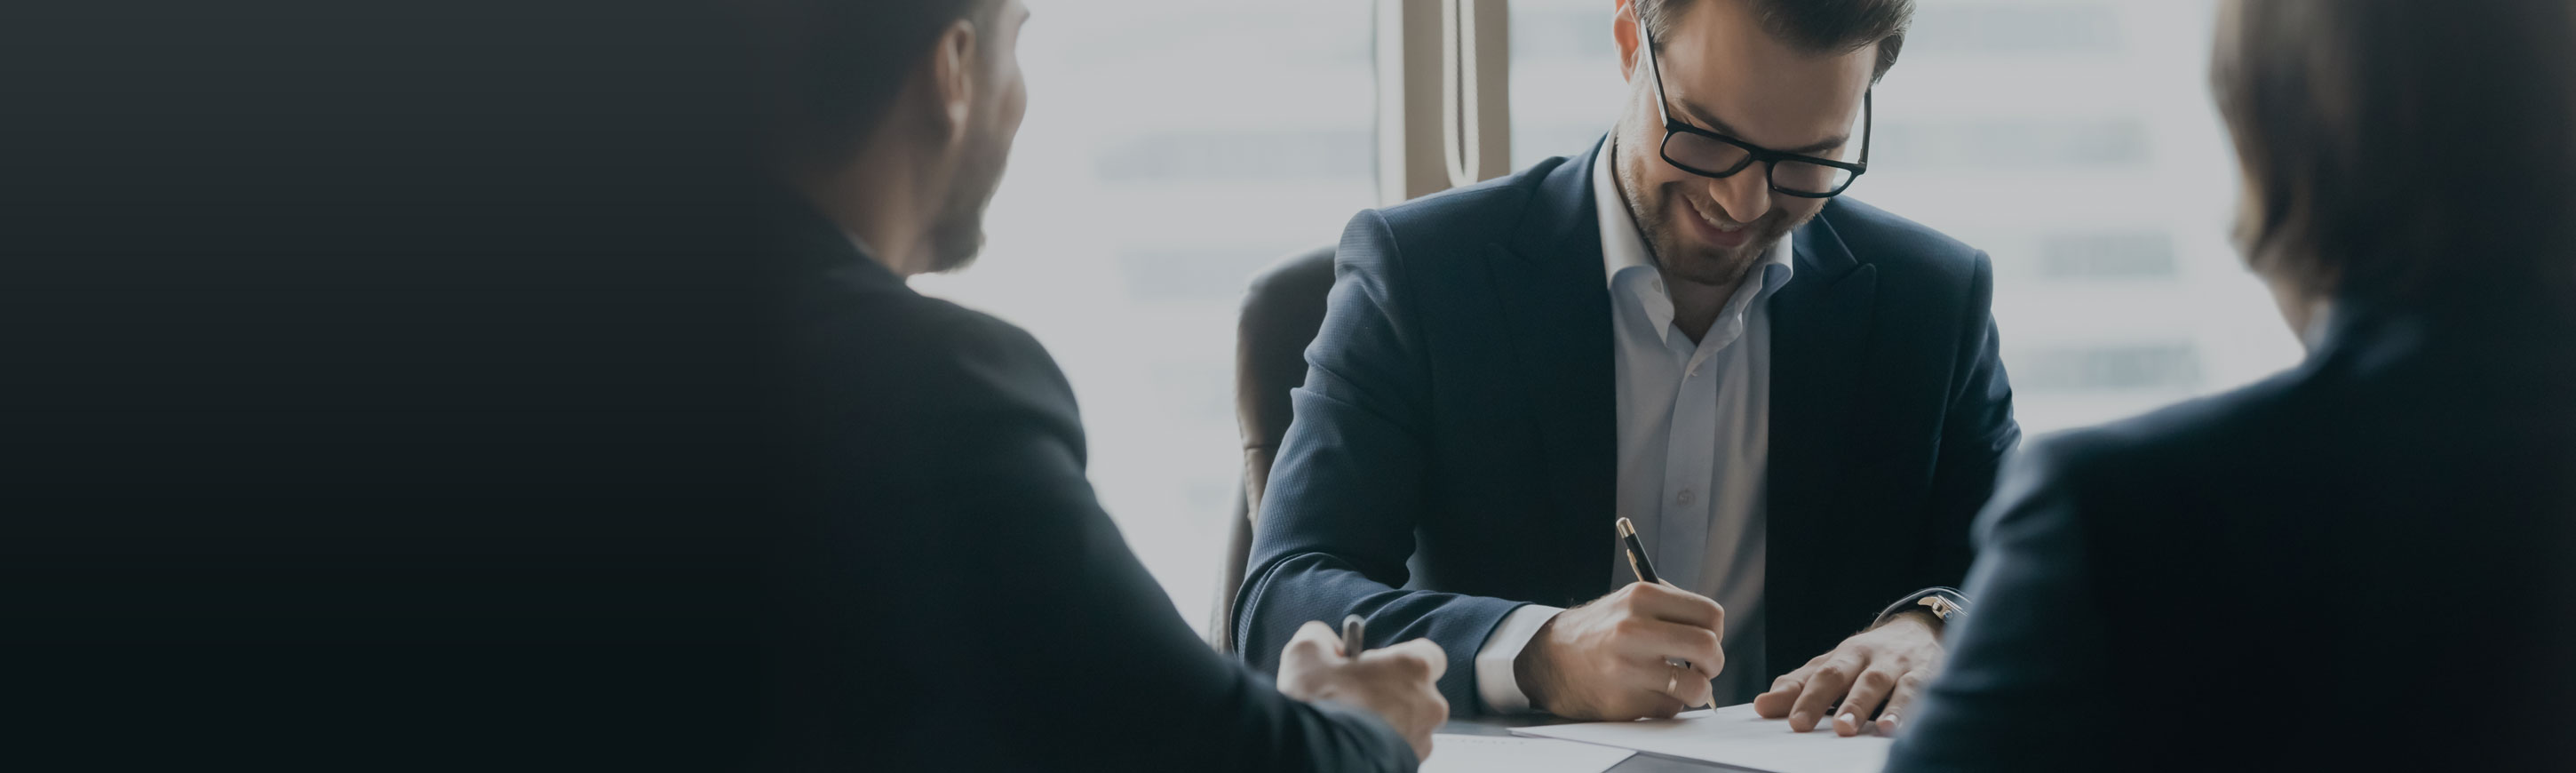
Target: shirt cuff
<point x="1496" y="683"/>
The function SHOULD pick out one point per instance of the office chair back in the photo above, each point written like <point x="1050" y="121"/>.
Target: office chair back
<point x="1281" y="312"/>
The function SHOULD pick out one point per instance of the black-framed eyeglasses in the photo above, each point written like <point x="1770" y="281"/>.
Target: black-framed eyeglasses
<point x="1710" y="154"/>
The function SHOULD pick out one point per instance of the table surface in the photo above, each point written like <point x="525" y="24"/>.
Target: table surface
<point x="1640" y="763"/>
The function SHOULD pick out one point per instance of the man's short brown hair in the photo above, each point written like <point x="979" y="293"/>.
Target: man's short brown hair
<point x="829" y="69"/>
<point x="1830" y="26"/>
<point x="2402" y="150"/>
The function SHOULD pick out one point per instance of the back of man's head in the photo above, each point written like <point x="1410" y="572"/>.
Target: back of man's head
<point x="830" y="69"/>
<point x="2403" y="150"/>
<point x="1823" y="26"/>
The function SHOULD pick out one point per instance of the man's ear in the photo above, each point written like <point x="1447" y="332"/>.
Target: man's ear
<point x="952" y="78"/>
<point x="1623" y="35"/>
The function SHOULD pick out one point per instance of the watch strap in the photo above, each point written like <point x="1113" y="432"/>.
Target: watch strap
<point x="1944" y="603"/>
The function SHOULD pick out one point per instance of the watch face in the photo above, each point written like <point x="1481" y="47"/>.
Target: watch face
<point x="1941" y="607"/>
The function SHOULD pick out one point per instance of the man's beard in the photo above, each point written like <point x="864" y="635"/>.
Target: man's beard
<point x="957" y="236"/>
<point x="1687" y="260"/>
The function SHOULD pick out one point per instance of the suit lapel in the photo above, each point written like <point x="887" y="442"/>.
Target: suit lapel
<point x="1556" y="305"/>
<point x="1820" y="326"/>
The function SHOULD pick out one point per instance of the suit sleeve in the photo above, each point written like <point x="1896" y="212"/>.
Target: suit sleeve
<point x="1337" y="523"/>
<point x="1023" y="617"/>
<point x="1976" y="434"/>
<point x="2026" y="668"/>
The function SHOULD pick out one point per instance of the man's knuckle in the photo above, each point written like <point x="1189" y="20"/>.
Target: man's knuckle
<point x="1432" y="658"/>
<point x="1911" y="679"/>
<point x="1877" y="680"/>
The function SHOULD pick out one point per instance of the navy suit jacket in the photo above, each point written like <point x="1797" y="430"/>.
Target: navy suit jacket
<point x="2359" y="564"/>
<point x="946" y="573"/>
<point x="1454" y="450"/>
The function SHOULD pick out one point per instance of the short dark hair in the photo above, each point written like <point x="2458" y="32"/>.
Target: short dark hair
<point x="1832" y="26"/>
<point x="831" y="68"/>
<point x="2402" y="150"/>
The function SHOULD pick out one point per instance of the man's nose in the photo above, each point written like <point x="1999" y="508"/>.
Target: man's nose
<point x="1745" y="195"/>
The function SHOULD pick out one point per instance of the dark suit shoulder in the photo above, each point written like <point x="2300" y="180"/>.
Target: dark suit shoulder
<point x="2197" y="437"/>
<point x="914" y="367"/>
<point x="1477" y="214"/>
<point x="2180" y="428"/>
<point x="1906" y="249"/>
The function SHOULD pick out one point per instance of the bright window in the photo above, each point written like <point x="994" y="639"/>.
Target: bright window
<point x="1172" y="149"/>
<point x="2073" y="140"/>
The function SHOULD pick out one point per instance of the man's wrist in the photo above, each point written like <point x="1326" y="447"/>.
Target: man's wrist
<point x="1924" y="619"/>
<point x="1498" y="686"/>
<point x="1532" y="669"/>
<point x="1369" y="721"/>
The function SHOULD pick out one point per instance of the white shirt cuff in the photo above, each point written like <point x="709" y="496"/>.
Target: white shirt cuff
<point x="1495" y="681"/>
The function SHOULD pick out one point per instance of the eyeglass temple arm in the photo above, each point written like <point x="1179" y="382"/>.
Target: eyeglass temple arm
<point x="1646" y="49"/>
<point x="1868" y="121"/>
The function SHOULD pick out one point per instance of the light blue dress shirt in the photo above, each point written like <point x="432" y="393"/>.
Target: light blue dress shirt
<point x="1694" y="442"/>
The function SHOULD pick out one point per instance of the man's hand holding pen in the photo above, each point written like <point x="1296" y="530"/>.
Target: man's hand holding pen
<point x="1400" y="684"/>
<point x="1611" y="659"/>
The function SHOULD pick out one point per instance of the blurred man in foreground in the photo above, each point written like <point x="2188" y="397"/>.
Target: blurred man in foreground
<point x="2361" y="563"/>
<point x="960" y="600"/>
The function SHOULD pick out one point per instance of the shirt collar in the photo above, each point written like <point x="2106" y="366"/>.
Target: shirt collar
<point x="1623" y="250"/>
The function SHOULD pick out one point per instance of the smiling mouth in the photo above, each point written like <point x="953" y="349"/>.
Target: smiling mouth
<point x="1713" y="220"/>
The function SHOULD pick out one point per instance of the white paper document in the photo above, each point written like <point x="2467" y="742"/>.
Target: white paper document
<point x="1505" y="754"/>
<point x="1732" y="736"/>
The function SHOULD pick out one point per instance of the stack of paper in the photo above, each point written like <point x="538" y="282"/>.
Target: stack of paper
<point x="1505" y="754"/>
<point x="1732" y="736"/>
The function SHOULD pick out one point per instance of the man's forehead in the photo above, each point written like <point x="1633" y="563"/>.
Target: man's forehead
<point x="1722" y="35"/>
<point x="1730" y="76"/>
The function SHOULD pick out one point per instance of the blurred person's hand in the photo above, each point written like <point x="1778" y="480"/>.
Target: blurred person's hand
<point x="1397" y="683"/>
<point x="1889" y="663"/>
<point x="1607" y="659"/>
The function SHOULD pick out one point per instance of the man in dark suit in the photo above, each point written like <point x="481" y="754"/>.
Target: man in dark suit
<point x="1796" y="396"/>
<point x="953" y="596"/>
<point x="2361" y="563"/>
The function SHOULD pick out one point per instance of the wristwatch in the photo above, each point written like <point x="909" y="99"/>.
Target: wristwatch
<point x="1945" y="604"/>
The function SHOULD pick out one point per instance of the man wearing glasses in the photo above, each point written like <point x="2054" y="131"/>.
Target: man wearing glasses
<point x="1795" y="397"/>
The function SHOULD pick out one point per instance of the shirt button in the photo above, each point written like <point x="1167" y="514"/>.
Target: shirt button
<point x="1685" y="498"/>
